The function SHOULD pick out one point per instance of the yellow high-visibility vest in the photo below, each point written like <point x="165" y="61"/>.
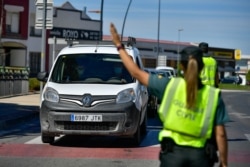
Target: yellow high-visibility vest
<point x="188" y="127"/>
<point x="209" y="71"/>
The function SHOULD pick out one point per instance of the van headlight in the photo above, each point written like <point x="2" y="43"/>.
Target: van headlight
<point x="126" y="95"/>
<point x="51" y="95"/>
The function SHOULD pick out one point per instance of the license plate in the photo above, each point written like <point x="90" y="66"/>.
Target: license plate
<point x="85" y="118"/>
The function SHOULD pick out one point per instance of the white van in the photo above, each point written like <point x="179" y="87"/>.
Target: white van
<point x="167" y="68"/>
<point x="101" y="99"/>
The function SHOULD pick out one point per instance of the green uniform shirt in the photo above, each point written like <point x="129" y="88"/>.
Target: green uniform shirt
<point x="157" y="85"/>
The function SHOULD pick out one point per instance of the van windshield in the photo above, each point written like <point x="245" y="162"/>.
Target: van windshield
<point x="90" y="68"/>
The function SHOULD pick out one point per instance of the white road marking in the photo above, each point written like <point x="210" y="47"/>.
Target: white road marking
<point x="248" y="137"/>
<point x="240" y="115"/>
<point x="38" y="140"/>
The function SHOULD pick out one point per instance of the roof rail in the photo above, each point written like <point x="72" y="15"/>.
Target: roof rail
<point x="70" y="41"/>
<point x="131" y="41"/>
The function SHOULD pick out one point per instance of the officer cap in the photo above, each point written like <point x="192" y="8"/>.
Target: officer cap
<point x="203" y="45"/>
<point x="193" y="51"/>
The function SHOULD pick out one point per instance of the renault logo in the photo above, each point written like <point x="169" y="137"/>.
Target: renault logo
<point x="86" y="100"/>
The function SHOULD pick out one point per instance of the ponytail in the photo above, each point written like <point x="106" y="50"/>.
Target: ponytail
<point x="191" y="76"/>
<point x="191" y="60"/>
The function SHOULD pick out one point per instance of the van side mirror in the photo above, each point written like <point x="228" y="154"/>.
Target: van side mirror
<point x="42" y="76"/>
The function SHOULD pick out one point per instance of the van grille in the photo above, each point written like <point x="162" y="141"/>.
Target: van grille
<point x="88" y="126"/>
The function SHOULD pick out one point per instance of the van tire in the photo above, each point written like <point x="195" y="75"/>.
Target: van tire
<point x="144" y="125"/>
<point x="137" y="136"/>
<point x="48" y="139"/>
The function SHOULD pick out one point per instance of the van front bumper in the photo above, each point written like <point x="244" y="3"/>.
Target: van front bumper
<point x="116" y="119"/>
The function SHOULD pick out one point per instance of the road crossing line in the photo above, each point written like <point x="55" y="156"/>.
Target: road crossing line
<point x="240" y="115"/>
<point x="248" y="137"/>
<point x="38" y="140"/>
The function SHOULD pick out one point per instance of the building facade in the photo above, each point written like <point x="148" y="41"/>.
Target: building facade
<point x="21" y="41"/>
<point x="14" y="62"/>
<point x="14" y="32"/>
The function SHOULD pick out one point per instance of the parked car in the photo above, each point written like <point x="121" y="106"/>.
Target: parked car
<point x="90" y="92"/>
<point x="162" y="72"/>
<point x="153" y="102"/>
<point x="165" y="73"/>
<point x="169" y="69"/>
<point x="152" y="105"/>
<point x="231" y="80"/>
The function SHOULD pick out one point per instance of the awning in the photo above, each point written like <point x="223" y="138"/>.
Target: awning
<point x="13" y="8"/>
<point x="13" y="44"/>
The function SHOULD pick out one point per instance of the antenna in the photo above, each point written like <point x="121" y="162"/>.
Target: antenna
<point x="96" y="47"/>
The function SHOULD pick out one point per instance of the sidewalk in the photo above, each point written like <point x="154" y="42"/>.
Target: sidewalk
<point x="16" y="109"/>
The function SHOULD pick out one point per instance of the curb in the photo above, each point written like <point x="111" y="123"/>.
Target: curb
<point x="16" y="95"/>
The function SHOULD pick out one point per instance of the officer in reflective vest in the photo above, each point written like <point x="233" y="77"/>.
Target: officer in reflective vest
<point x="189" y="110"/>
<point x="209" y="74"/>
<point x="195" y="123"/>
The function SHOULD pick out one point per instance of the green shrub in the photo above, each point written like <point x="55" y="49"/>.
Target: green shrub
<point x="34" y="84"/>
<point x="248" y="76"/>
<point x="234" y="87"/>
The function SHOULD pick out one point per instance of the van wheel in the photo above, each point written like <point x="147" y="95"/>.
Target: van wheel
<point x="141" y="131"/>
<point x="144" y="125"/>
<point x="48" y="139"/>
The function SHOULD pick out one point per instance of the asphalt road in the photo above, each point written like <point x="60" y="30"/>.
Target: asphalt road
<point x="21" y="144"/>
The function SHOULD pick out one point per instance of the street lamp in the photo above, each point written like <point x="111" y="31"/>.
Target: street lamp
<point x="101" y="26"/>
<point x="178" y="50"/>
<point x="158" y="32"/>
<point x="124" y="20"/>
<point x="1" y="45"/>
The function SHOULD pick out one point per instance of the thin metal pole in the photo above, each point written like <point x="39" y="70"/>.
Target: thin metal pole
<point x="1" y="21"/>
<point x="178" y="50"/>
<point x="1" y="45"/>
<point x="43" y="41"/>
<point x="158" y="32"/>
<point x="101" y="26"/>
<point x="124" y="20"/>
<point x="54" y="49"/>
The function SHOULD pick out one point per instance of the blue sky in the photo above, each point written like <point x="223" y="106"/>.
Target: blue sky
<point x="221" y="23"/>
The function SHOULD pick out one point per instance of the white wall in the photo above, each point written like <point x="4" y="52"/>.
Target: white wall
<point x="77" y="23"/>
<point x="243" y="79"/>
<point x="18" y="57"/>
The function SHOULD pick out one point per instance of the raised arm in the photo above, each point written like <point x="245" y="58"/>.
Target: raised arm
<point x="133" y="69"/>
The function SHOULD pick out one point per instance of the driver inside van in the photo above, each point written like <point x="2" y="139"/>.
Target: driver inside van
<point x="118" y="69"/>
<point x="80" y="70"/>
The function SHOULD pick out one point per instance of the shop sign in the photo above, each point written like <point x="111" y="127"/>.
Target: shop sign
<point x="74" y="34"/>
